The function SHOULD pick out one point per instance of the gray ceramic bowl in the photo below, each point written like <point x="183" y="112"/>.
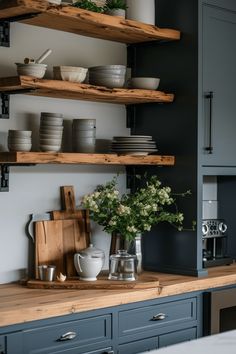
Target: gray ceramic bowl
<point x="36" y="70"/>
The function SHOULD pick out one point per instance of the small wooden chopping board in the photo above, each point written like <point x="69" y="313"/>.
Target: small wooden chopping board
<point x="102" y="282"/>
<point x="57" y="241"/>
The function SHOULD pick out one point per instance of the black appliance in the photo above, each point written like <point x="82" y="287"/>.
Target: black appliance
<point x="214" y="239"/>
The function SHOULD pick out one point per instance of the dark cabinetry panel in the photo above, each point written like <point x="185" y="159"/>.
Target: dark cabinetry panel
<point x="202" y="61"/>
<point x="219" y="72"/>
<point x="177" y="337"/>
<point x="66" y="336"/>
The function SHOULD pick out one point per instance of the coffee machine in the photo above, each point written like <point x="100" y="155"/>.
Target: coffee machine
<point x="214" y="243"/>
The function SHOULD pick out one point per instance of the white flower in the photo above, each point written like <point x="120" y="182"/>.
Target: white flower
<point x="131" y="229"/>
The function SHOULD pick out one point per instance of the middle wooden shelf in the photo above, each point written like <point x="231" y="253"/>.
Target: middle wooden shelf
<point x="76" y="91"/>
<point x="82" y="158"/>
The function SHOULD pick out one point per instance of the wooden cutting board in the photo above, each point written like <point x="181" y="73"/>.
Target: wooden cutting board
<point x="57" y="241"/>
<point x="69" y="210"/>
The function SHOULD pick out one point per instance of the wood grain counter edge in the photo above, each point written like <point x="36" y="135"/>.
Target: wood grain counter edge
<point x="19" y="304"/>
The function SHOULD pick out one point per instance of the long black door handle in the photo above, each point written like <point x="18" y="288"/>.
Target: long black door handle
<point x="209" y="96"/>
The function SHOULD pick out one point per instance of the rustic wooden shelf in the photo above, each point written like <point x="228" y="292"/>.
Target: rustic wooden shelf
<point x="79" y="158"/>
<point x="70" y="19"/>
<point x="76" y="91"/>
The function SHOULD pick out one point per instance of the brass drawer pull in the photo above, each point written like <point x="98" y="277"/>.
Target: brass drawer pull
<point x="159" y="317"/>
<point x="67" y="336"/>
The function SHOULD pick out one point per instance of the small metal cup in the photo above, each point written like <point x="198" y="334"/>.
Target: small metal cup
<point x="47" y="272"/>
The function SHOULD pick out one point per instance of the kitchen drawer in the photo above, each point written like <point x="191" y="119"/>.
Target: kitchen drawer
<point x="107" y="350"/>
<point x="157" y="317"/>
<point x="49" y="339"/>
<point x="139" y="346"/>
<point x="177" y="337"/>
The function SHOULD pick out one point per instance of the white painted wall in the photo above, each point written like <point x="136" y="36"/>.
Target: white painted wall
<point x="36" y="189"/>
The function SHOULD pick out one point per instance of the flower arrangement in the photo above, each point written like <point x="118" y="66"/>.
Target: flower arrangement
<point x="132" y="214"/>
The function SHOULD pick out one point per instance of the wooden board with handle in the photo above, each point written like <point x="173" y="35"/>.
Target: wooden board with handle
<point x="57" y="241"/>
<point x="69" y="210"/>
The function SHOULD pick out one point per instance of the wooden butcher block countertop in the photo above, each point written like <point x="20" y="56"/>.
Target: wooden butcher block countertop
<point x="19" y="304"/>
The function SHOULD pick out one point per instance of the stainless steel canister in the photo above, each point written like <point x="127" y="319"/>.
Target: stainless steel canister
<point x="47" y="272"/>
<point x="122" y="266"/>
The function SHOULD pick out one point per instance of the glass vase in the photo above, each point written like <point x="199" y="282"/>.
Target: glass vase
<point x="118" y="242"/>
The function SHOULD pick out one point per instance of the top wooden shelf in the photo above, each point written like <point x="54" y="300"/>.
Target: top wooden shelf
<point x="82" y="22"/>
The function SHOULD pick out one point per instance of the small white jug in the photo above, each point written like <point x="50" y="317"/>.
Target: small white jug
<point x="89" y="262"/>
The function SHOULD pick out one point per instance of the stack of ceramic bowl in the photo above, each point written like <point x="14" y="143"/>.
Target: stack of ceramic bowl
<point x="51" y="130"/>
<point x="19" y="140"/>
<point x="84" y="135"/>
<point x="133" y="145"/>
<point x="108" y="75"/>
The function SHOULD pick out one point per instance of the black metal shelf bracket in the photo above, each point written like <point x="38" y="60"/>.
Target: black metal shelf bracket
<point x="5" y="34"/>
<point x="5" y="174"/>
<point x="5" y="27"/>
<point x="130" y="116"/>
<point x="5" y="97"/>
<point x="4" y="177"/>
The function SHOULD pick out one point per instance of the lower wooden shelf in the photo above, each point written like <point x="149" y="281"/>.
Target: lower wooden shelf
<point x="82" y="158"/>
<point x="71" y="90"/>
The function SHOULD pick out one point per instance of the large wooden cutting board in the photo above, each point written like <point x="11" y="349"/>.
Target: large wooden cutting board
<point x="57" y="241"/>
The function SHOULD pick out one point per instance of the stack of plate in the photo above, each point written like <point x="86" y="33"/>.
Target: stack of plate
<point x="133" y="145"/>
<point x="51" y="130"/>
<point x="19" y="140"/>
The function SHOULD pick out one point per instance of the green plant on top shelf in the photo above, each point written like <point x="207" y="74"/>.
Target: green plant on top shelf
<point x="115" y="4"/>
<point x="88" y="5"/>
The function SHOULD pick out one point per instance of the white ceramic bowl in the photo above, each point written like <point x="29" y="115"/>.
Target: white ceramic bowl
<point x="146" y="83"/>
<point x="19" y="133"/>
<point x="108" y="82"/>
<point x="36" y="70"/>
<point x="51" y="121"/>
<point x="77" y="134"/>
<point x="51" y="115"/>
<point x="46" y="135"/>
<point x="108" y="68"/>
<point x="50" y="141"/>
<point x="121" y="71"/>
<point x="49" y="128"/>
<point x="67" y="73"/>
<point x="50" y="148"/>
<point x="19" y="147"/>
<point x="14" y="140"/>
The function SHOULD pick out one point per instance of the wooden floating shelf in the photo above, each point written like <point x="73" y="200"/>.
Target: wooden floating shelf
<point x="82" y="22"/>
<point x="76" y="91"/>
<point x="86" y="159"/>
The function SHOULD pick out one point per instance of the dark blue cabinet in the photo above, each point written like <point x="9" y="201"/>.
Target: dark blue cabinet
<point x="219" y="95"/>
<point x="203" y="61"/>
<point x="125" y="329"/>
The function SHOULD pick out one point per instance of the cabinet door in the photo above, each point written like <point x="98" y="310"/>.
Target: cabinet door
<point x="219" y="77"/>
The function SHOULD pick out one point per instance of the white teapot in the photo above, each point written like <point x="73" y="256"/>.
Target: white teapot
<point x="89" y="262"/>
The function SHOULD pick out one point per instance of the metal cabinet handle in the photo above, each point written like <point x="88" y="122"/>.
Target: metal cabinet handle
<point x="209" y="96"/>
<point x="159" y="317"/>
<point x="110" y="352"/>
<point x="67" y="336"/>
